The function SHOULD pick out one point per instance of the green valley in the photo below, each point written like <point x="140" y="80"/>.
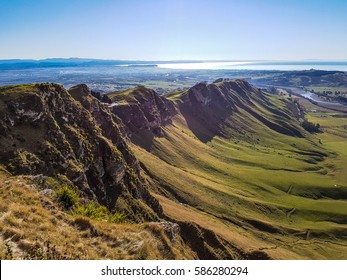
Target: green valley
<point x="259" y="189"/>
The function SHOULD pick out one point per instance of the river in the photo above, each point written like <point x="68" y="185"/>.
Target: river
<point x="313" y="97"/>
<point x="307" y="94"/>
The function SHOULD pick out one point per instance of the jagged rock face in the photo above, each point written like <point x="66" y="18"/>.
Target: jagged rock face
<point x="108" y="122"/>
<point x="44" y="130"/>
<point x="144" y="110"/>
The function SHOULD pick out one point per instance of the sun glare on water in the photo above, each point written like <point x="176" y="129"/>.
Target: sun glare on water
<point x="203" y="65"/>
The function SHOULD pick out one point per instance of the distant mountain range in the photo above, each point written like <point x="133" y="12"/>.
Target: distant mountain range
<point x="61" y="62"/>
<point x="73" y="62"/>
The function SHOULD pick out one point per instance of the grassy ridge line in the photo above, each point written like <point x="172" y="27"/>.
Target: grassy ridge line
<point x="288" y="184"/>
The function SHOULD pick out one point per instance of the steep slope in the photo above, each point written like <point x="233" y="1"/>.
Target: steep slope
<point x="236" y="161"/>
<point x="44" y="130"/>
<point x="212" y="105"/>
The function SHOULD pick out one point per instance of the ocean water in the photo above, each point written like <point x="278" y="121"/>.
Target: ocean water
<point x="260" y="65"/>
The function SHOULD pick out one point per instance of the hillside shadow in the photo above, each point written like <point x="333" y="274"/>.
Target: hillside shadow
<point x="204" y="125"/>
<point x="143" y="138"/>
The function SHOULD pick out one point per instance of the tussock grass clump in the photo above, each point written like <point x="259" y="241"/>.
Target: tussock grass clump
<point x="96" y="211"/>
<point x="67" y="197"/>
<point x="117" y="218"/>
<point x="70" y="200"/>
<point x="92" y="210"/>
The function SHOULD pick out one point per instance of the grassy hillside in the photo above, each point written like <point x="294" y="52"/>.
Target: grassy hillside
<point x="258" y="188"/>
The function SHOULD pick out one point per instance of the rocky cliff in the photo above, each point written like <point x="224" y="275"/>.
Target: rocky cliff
<point x="46" y="130"/>
<point x="141" y="108"/>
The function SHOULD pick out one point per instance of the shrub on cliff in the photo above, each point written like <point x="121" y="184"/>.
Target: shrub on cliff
<point x="311" y="127"/>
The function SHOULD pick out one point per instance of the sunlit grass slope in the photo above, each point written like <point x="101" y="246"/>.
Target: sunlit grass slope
<point x="258" y="188"/>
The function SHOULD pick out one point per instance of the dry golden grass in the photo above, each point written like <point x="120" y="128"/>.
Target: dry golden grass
<point x="32" y="226"/>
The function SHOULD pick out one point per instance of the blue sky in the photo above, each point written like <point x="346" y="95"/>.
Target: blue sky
<point x="170" y="30"/>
